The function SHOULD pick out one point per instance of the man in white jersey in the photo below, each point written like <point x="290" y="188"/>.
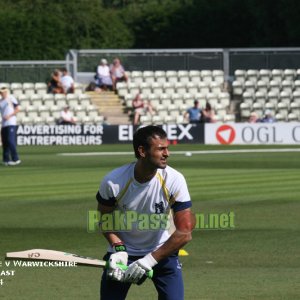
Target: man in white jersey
<point x="9" y="107"/>
<point x="103" y="75"/>
<point x="144" y="193"/>
<point x="67" y="82"/>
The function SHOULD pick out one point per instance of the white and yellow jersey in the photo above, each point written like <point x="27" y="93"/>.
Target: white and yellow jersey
<point x="7" y="107"/>
<point x="142" y="210"/>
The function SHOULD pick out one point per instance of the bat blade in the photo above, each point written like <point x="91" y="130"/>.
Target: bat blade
<point x="44" y="254"/>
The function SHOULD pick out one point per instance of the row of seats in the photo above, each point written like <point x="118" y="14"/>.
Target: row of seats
<point x="50" y="100"/>
<point x="272" y="96"/>
<point x="264" y="86"/>
<point x="30" y="88"/>
<point x="55" y="96"/>
<point x="52" y="116"/>
<point x="172" y="76"/>
<point x="179" y="109"/>
<point x="222" y="99"/>
<point x="165" y="118"/>
<point x="283" y="111"/>
<point x="168" y="88"/>
<point x="266" y="74"/>
<point x="281" y="107"/>
<point x="279" y="117"/>
<point x="177" y="106"/>
<point x="173" y="109"/>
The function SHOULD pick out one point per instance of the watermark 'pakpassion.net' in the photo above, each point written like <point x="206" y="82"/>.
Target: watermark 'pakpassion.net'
<point x="129" y="220"/>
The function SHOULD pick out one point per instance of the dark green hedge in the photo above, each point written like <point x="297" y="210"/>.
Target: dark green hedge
<point x="40" y="29"/>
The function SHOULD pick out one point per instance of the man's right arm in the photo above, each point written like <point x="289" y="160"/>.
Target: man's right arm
<point x="120" y="255"/>
<point x="111" y="237"/>
<point x="186" y="114"/>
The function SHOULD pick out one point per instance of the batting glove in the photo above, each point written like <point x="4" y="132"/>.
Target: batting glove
<point x="114" y="272"/>
<point x="138" y="269"/>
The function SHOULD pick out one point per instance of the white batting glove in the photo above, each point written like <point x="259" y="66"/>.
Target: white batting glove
<point x="138" y="269"/>
<point x="113" y="271"/>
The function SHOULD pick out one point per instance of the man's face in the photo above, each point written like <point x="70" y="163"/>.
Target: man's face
<point x="158" y="153"/>
<point x="3" y="95"/>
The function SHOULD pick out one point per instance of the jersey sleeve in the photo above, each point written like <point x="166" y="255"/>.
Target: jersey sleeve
<point x="179" y="194"/>
<point x="107" y="192"/>
<point x="14" y="101"/>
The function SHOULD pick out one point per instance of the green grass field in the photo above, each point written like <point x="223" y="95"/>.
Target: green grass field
<point x="45" y="201"/>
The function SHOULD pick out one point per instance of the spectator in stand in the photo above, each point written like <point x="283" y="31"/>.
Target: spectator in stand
<point x="105" y="121"/>
<point x="103" y="77"/>
<point x="193" y="113"/>
<point x="66" y="117"/>
<point x="208" y="114"/>
<point x="268" y="117"/>
<point x="117" y="72"/>
<point x="253" y="118"/>
<point x="67" y="82"/>
<point x="9" y="107"/>
<point x="54" y="85"/>
<point x="140" y="107"/>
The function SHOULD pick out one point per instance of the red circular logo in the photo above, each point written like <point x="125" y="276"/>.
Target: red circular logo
<point x="225" y="134"/>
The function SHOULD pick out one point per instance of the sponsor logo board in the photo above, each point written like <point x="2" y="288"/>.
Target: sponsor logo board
<point x="252" y="134"/>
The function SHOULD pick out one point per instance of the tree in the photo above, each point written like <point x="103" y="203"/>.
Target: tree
<point x="40" y="29"/>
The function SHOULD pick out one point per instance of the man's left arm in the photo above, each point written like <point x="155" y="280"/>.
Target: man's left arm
<point x="14" y="113"/>
<point x="184" y="221"/>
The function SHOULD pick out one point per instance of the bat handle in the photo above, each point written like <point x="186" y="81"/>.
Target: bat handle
<point x="124" y="268"/>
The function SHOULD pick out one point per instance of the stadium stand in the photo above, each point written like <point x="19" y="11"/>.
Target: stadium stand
<point x="274" y="89"/>
<point x="38" y="107"/>
<point x="172" y="92"/>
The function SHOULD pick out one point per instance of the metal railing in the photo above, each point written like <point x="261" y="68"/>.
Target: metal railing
<point x="86" y="61"/>
<point x="28" y="71"/>
<point x="82" y="63"/>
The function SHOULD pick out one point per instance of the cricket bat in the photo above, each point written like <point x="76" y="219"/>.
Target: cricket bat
<point x="44" y="254"/>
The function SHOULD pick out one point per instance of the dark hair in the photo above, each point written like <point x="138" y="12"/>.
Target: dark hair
<point x="208" y="106"/>
<point x="143" y="135"/>
<point x="3" y="89"/>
